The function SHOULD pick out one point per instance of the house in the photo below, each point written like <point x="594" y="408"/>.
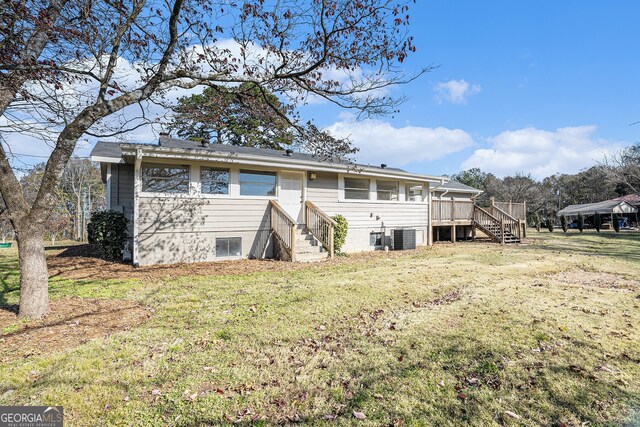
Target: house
<point x="188" y="201"/>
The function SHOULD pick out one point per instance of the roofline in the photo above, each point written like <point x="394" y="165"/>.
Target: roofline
<point x="178" y="153"/>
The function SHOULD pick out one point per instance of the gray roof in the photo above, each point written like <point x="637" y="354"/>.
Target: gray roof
<point x="456" y="186"/>
<point x="114" y="150"/>
<point x="606" y="207"/>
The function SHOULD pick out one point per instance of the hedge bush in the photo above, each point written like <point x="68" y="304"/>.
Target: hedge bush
<point x="563" y="223"/>
<point x="340" y="232"/>
<point x="616" y="222"/>
<point x="597" y="221"/>
<point x="108" y="230"/>
<point x="580" y="222"/>
<point x="550" y="224"/>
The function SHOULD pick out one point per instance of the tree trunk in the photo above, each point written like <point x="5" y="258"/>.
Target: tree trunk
<point x="34" y="277"/>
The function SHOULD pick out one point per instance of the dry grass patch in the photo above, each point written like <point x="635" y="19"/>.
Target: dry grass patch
<point x="72" y="322"/>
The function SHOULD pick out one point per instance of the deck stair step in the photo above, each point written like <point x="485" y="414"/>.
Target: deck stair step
<point x="308" y="248"/>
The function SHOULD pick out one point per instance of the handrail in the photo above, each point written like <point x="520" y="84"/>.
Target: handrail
<point x="321" y="225"/>
<point x="485" y="220"/>
<point x="284" y="228"/>
<point x="511" y="224"/>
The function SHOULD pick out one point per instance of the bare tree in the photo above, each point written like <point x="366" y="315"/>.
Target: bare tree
<point x="70" y="69"/>
<point x="624" y="167"/>
<point x="82" y="184"/>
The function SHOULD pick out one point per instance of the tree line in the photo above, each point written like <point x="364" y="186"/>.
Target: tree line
<point x="616" y="175"/>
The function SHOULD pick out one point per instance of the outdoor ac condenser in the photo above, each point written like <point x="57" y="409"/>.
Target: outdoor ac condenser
<point x="404" y="238"/>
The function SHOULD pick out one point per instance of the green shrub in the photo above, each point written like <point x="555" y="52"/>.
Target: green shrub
<point x="550" y="224"/>
<point x="563" y="223"/>
<point x="108" y="230"/>
<point x="340" y="232"/>
<point x="537" y="222"/>
<point x="580" y="222"/>
<point x="616" y="222"/>
<point x="597" y="221"/>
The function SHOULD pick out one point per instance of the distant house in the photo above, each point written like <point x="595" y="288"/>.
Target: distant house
<point x="189" y="201"/>
<point x="632" y="199"/>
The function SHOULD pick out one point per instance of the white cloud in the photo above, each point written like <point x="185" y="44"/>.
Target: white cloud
<point x="455" y="91"/>
<point x="380" y="142"/>
<point x="542" y="153"/>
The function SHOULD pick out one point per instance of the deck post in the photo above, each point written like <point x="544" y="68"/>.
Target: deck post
<point x="293" y="243"/>
<point x="453" y="233"/>
<point x="502" y="231"/>
<point x="473" y="231"/>
<point x="331" y="250"/>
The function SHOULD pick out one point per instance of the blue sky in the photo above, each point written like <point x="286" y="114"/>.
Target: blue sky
<point x="521" y="86"/>
<point x="532" y="67"/>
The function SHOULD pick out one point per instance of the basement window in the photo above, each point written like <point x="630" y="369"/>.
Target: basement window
<point x="165" y="178"/>
<point x="375" y="239"/>
<point x="228" y="247"/>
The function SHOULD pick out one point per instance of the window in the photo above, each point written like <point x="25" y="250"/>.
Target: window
<point x="228" y="246"/>
<point x="413" y="192"/>
<point x="387" y="190"/>
<point x="356" y="188"/>
<point x="254" y="183"/>
<point x="375" y="239"/>
<point x="214" y="180"/>
<point x="165" y="178"/>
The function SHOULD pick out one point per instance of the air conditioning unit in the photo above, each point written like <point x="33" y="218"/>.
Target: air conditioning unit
<point x="404" y="238"/>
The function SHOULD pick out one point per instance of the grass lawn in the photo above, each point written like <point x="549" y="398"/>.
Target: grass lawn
<point x="544" y="333"/>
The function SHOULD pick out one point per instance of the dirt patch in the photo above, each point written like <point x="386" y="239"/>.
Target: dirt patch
<point x="595" y="279"/>
<point x="68" y="265"/>
<point x="72" y="321"/>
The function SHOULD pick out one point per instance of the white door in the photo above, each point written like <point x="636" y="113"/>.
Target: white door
<point x="290" y="197"/>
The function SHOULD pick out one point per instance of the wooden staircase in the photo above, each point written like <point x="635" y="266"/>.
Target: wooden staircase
<point x="308" y="242"/>
<point x="497" y="225"/>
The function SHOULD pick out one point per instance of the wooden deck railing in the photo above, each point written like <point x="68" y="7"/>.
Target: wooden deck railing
<point x="284" y="228"/>
<point x="516" y="210"/>
<point x="451" y="210"/>
<point x="320" y="225"/>
<point x="510" y="224"/>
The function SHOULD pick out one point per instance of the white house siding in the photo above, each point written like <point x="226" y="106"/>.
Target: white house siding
<point x="362" y="216"/>
<point x="121" y="193"/>
<point x="184" y="229"/>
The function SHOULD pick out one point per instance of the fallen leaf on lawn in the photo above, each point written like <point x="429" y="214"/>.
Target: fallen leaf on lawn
<point x="378" y="396"/>
<point x="330" y="417"/>
<point x="193" y="396"/>
<point x="512" y="415"/>
<point x="359" y="415"/>
<point x="462" y="396"/>
<point x="441" y="383"/>
<point x="156" y="392"/>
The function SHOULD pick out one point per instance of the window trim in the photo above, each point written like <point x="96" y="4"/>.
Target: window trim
<point x="165" y="193"/>
<point x="373" y="191"/>
<point x="228" y="239"/>
<point x="381" y="236"/>
<point x="344" y="188"/>
<point x="389" y="191"/>
<point x="412" y="184"/>
<point x="276" y="185"/>
<point x="213" y="195"/>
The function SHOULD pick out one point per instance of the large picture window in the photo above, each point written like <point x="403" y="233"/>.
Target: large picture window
<point x="214" y="180"/>
<point x="387" y="190"/>
<point x="256" y="183"/>
<point x="165" y="178"/>
<point x="413" y="192"/>
<point x="228" y="247"/>
<point x="356" y="189"/>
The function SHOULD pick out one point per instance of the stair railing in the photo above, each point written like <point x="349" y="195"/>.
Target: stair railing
<point x="486" y="222"/>
<point x="320" y="225"/>
<point x="511" y="224"/>
<point x="284" y="227"/>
